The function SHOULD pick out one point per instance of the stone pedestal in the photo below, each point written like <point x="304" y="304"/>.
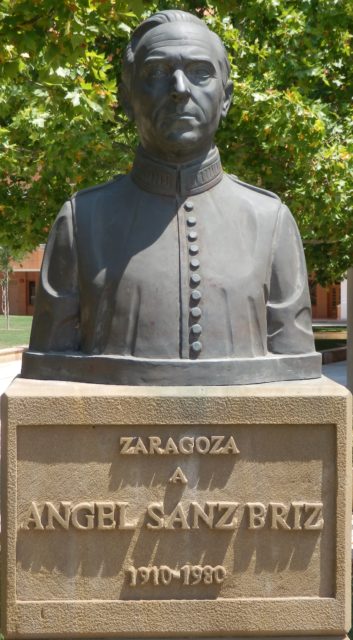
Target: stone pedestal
<point x="176" y="511"/>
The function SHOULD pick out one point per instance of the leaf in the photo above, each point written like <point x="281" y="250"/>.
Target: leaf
<point x="62" y="73"/>
<point x="74" y="97"/>
<point x="124" y="27"/>
<point x="94" y="105"/>
<point x="39" y="121"/>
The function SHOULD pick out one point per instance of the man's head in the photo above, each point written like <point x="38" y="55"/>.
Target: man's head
<point x="175" y="85"/>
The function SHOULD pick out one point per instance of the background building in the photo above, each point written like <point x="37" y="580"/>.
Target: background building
<point x="24" y="281"/>
<point x="329" y="303"/>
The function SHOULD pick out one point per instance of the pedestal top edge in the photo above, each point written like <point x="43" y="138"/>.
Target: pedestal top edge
<point x="48" y="388"/>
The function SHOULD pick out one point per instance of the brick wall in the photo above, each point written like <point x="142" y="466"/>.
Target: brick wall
<point x="23" y="283"/>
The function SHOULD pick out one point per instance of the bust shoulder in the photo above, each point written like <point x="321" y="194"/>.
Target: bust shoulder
<point x="98" y="189"/>
<point x="259" y="199"/>
<point x="254" y="188"/>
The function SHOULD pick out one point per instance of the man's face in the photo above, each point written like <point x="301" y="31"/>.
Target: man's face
<point x="177" y="95"/>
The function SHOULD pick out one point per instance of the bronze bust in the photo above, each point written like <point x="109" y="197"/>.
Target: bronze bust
<point x="175" y="273"/>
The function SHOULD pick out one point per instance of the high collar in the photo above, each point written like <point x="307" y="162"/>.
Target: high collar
<point x="177" y="179"/>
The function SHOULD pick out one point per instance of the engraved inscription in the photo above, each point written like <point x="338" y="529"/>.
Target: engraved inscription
<point x="188" y="575"/>
<point x="187" y="445"/>
<point x="178" y="476"/>
<point x="106" y="515"/>
<point x="302" y="515"/>
<point x="175" y="519"/>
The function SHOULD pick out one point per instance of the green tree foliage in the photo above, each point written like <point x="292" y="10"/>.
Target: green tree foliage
<point x="290" y="128"/>
<point x="60" y="128"/>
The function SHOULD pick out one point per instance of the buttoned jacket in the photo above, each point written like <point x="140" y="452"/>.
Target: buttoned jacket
<point x="174" y="263"/>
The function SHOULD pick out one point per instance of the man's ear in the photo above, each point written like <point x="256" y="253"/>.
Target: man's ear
<point x="124" y="99"/>
<point x="227" y="101"/>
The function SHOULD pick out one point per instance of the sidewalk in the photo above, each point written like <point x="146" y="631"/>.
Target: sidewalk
<point x="9" y="370"/>
<point x="337" y="371"/>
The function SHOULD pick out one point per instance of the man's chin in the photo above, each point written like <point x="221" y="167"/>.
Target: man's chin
<point x="178" y="146"/>
<point x="179" y="140"/>
<point x="183" y="137"/>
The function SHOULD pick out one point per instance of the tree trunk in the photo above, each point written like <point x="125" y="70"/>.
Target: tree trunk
<point x="7" y="300"/>
<point x="5" y="270"/>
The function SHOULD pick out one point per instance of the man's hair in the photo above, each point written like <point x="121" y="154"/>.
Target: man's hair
<point x="163" y="17"/>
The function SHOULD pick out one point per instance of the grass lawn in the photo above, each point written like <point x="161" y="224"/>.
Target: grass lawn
<point x="329" y="337"/>
<point x="322" y="344"/>
<point x="17" y="334"/>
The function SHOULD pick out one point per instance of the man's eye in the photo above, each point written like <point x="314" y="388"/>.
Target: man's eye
<point x="200" y="72"/>
<point x="156" y="72"/>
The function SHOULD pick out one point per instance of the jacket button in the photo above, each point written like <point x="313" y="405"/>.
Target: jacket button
<point x="191" y="221"/>
<point x="196" y="329"/>
<point x="192" y="235"/>
<point x="195" y="278"/>
<point x="196" y="312"/>
<point x="196" y="346"/>
<point x="195" y="295"/>
<point x="188" y="206"/>
<point x="194" y="263"/>
<point x="193" y="249"/>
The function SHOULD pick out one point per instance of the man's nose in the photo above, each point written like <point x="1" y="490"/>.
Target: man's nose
<point x="180" y="85"/>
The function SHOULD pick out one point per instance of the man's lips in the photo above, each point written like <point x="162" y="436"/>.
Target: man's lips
<point x="180" y="116"/>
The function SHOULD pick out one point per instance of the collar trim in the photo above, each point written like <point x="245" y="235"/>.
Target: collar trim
<point x="173" y="180"/>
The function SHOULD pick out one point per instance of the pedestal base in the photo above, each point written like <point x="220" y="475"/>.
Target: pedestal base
<point x="176" y="511"/>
